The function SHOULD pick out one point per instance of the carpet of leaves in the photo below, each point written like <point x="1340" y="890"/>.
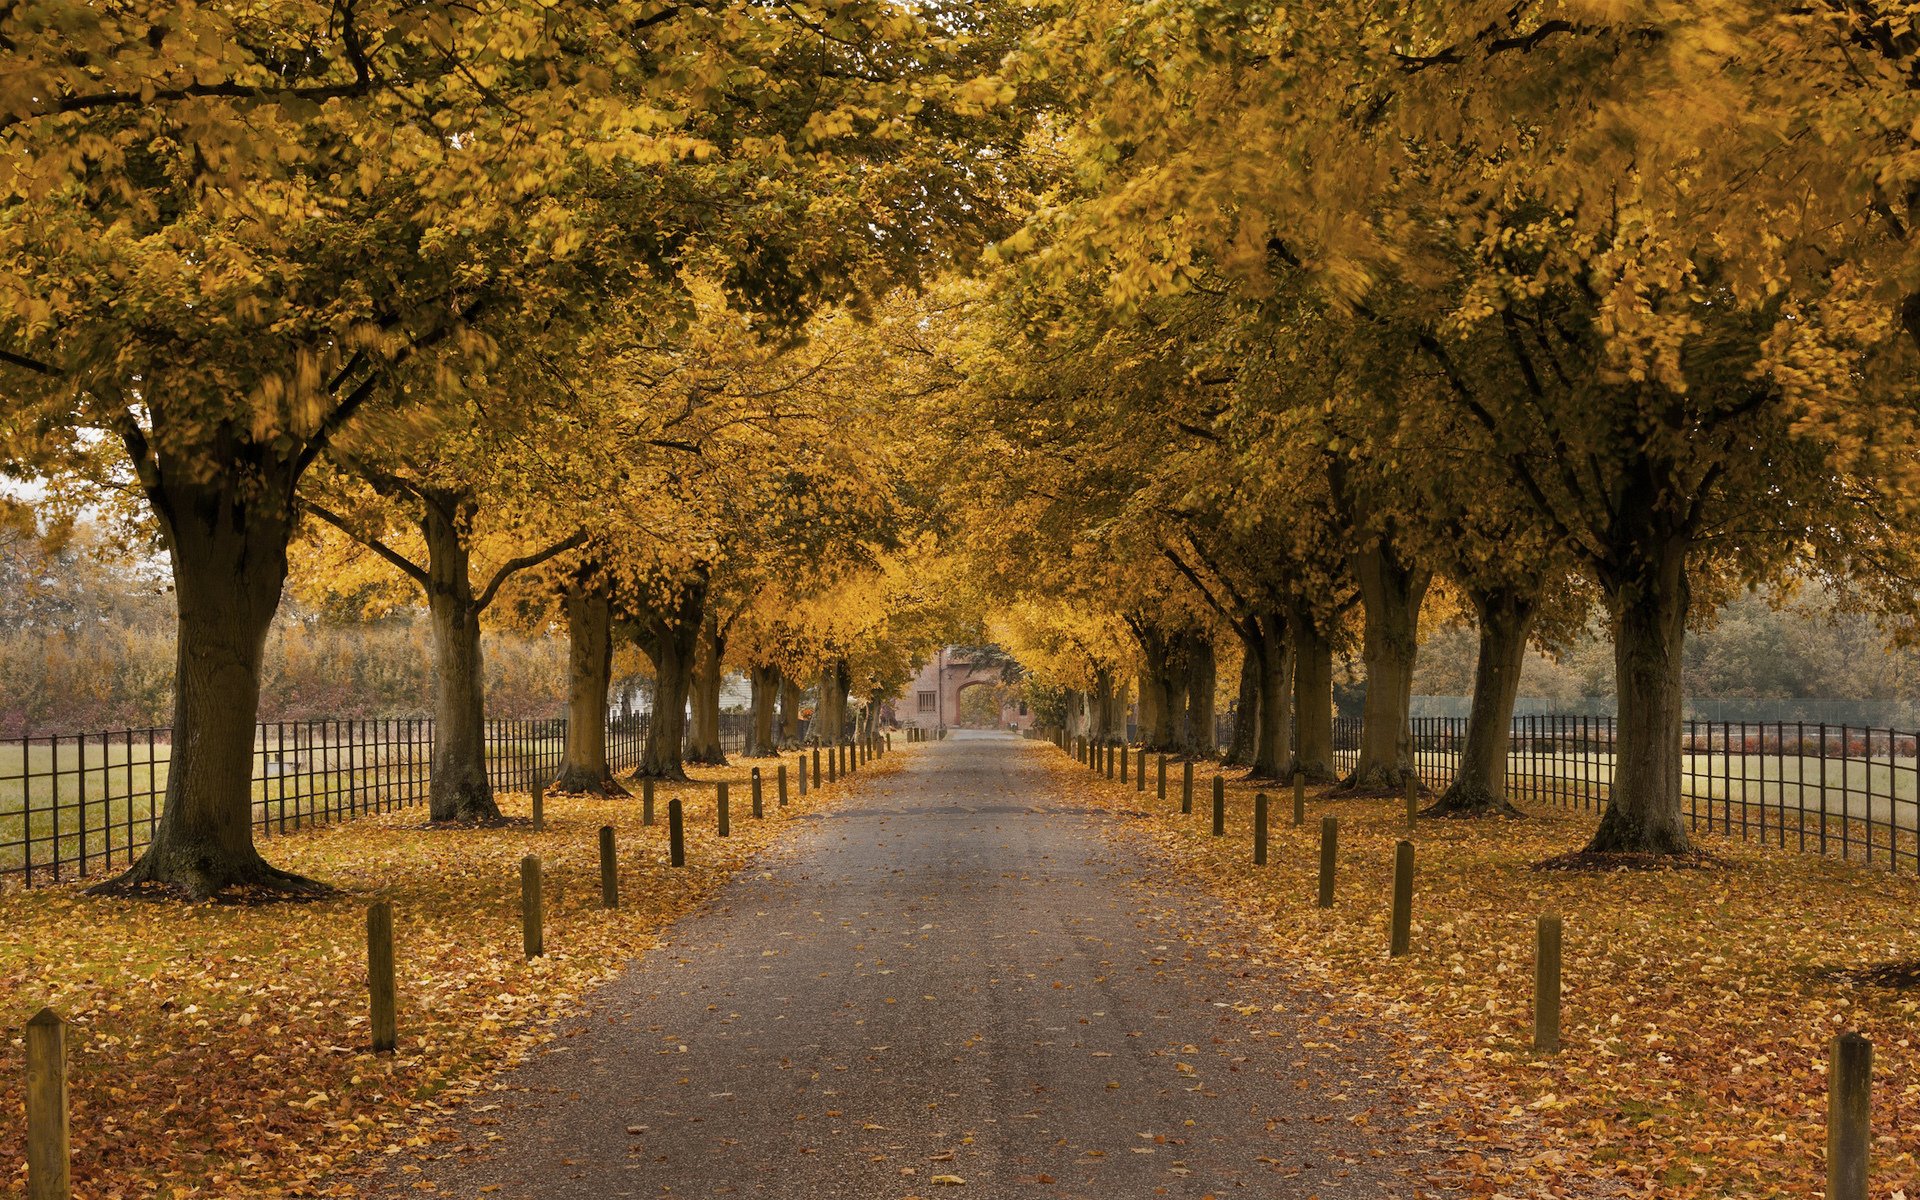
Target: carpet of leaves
<point x="222" y="1050"/>
<point x="1698" y="1005"/>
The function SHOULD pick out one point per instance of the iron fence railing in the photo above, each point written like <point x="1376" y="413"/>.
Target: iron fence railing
<point x="1839" y="790"/>
<point x="80" y="804"/>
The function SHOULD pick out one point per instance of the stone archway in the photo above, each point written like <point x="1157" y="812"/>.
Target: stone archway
<point x="932" y="700"/>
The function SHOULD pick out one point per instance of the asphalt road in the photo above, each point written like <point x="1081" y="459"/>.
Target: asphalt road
<point x="951" y="976"/>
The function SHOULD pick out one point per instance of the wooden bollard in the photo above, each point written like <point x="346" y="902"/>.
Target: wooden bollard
<point x="646" y="801"/>
<point x="530" y="925"/>
<point x="1299" y="798"/>
<point x="780" y="786"/>
<point x="1400" y="925"/>
<point x="720" y="810"/>
<point x="1546" y="985"/>
<point x="1259" y="829"/>
<point x="609" y="870"/>
<point x="1329" y="853"/>
<point x="1123" y="762"/>
<point x="1186" y="786"/>
<point x="833" y="765"/>
<point x="1219" y="806"/>
<point x="1163" y="777"/>
<point x="1140" y="773"/>
<point x="1413" y="800"/>
<point x="758" y="810"/>
<point x="676" y="834"/>
<point x="49" y="1155"/>
<point x="816" y="766"/>
<point x="803" y="775"/>
<point x="1849" y="1116"/>
<point x="381" y="1017"/>
<point x="539" y="811"/>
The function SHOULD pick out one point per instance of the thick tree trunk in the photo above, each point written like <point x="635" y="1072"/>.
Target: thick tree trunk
<point x="1243" y="748"/>
<point x="585" y="769"/>
<point x="458" y="788"/>
<point x="703" y="735"/>
<point x="791" y="698"/>
<point x="1649" y="609"/>
<point x="1479" y="787"/>
<point x="668" y="637"/>
<point x="830" y="715"/>
<point x="1100" y="706"/>
<point x="762" y="739"/>
<point x="1198" y="737"/>
<point x="1390" y="593"/>
<point x="1117" y="709"/>
<point x="1312" y="701"/>
<point x="1273" y="742"/>
<point x="228" y="549"/>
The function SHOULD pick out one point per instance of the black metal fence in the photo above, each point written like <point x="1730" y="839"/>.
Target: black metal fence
<point x="1839" y="790"/>
<point x="80" y="804"/>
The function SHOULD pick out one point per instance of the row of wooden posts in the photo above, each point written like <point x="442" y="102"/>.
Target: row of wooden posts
<point x="48" y="1143"/>
<point x="1850" y="1058"/>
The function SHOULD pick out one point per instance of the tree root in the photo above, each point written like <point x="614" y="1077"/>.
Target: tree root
<point x="1633" y="860"/>
<point x="1466" y="801"/>
<point x="166" y="876"/>
<point x="587" y="783"/>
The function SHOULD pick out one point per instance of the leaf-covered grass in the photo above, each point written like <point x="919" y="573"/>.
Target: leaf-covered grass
<point x="222" y="1050"/>
<point x="1698" y="1004"/>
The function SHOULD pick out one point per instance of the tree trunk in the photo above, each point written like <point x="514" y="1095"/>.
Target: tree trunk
<point x="1273" y="743"/>
<point x="585" y="769"/>
<point x="228" y="549"/>
<point x="1243" y="748"/>
<point x="1479" y="787"/>
<point x="1100" y="706"/>
<point x="1117" y="709"/>
<point x="458" y="788"/>
<point x="1312" y="700"/>
<point x="667" y="637"/>
<point x="703" y="737"/>
<point x="790" y="700"/>
<point x="1390" y="593"/>
<point x="1648" y="603"/>
<point x="830" y="714"/>
<point x="761" y="736"/>
<point x="1198" y="738"/>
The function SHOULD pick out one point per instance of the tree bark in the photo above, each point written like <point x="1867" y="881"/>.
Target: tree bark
<point x="1390" y="593"/>
<point x="1117" y="709"/>
<point x="458" y="789"/>
<point x="1648" y="600"/>
<point x="1100" y="706"/>
<point x="762" y="739"/>
<point x="790" y="700"/>
<point x="830" y="714"/>
<point x="1312" y="700"/>
<point x="227" y="544"/>
<point x="703" y="737"/>
<point x="1243" y="749"/>
<point x="1273" y="658"/>
<point x="667" y="636"/>
<point x="1479" y="787"/>
<point x="585" y="769"/>
<point x="1197" y="683"/>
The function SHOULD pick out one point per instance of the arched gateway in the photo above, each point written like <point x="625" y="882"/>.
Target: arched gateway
<point x="932" y="699"/>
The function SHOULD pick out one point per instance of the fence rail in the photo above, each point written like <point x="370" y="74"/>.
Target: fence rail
<point x="73" y="805"/>
<point x="1839" y="790"/>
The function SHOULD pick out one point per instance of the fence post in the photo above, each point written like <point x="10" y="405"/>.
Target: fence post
<point x="780" y="785"/>
<point x="1140" y="772"/>
<point x="720" y="809"/>
<point x="646" y="801"/>
<point x="381" y="1015"/>
<point x="1259" y="829"/>
<point x="49" y="1157"/>
<point x="1163" y="777"/>
<point x="1849" y="1116"/>
<point x="1546" y="985"/>
<point x="1123" y="762"/>
<point x="758" y="812"/>
<point x="803" y="774"/>
<point x="530" y="930"/>
<point x="609" y="870"/>
<point x="1400" y="929"/>
<point x="1299" y="798"/>
<point x="1329" y="850"/>
<point x="816" y="765"/>
<point x="1219" y="806"/>
<point x="1110" y="757"/>
<point x="1413" y="800"/>
<point x="539" y="811"/>
<point x="1186" y="786"/>
<point x="676" y="834"/>
<point x="833" y="764"/>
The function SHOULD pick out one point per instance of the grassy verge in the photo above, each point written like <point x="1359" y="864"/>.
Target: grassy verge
<point x="223" y="1050"/>
<point x="1698" y="1004"/>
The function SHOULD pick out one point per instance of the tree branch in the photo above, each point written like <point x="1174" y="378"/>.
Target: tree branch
<point x="511" y="566"/>
<point x="398" y="560"/>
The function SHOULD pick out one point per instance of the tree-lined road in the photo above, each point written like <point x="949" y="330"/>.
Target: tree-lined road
<point x="951" y="976"/>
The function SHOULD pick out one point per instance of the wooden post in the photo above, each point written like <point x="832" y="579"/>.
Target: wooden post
<point x="720" y="809"/>
<point x="1110" y="757"/>
<point x="816" y="766"/>
<point x="1186" y="786"/>
<point x="530" y="932"/>
<point x="833" y="765"/>
<point x="1219" y="806"/>
<point x="1299" y="798"/>
<point x="539" y="811"/>
<point x="803" y="775"/>
<point x="49" y="1156"/>
<point x="1140" y="773"/>
<point x="381" y="1018"/>
<point x="676" y="834"/>
<point x="1259" y="829"/>
<point x="780" y="785"/>
<point x="1546" y="985"/>
<point x="1329" y="852"/>
<point x="1849" y="1116"/>
<point x="609" y="870"/>
<point x="1123" y="762"/>
<point x="646" y="801"/>
<point x="758" y="811"/>
<point x="1400" y="929"/>
<point x="1413" y="800"/>
<point x="1163" y="777"/>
